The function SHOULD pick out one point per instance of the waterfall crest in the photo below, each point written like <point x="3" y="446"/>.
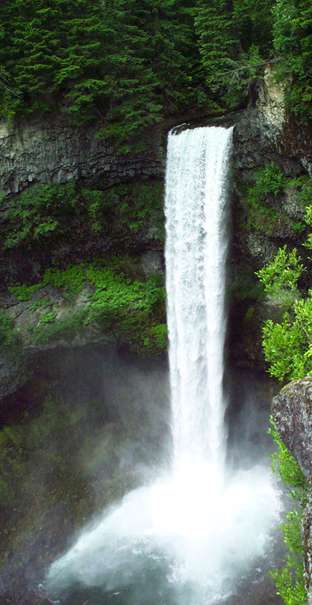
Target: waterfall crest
<point x="196" y="249"/>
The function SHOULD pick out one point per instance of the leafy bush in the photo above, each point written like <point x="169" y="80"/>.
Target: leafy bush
<point x="269" y="180"/>
<point x="289" y="579"/>
<point x="280" y="277"/>
<point x="52" y="213"/>
<point x="287" y="344"/>
<point x="44" y="212"/>
<point x="287" y="468"/>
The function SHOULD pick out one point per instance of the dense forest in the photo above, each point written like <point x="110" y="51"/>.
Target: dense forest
<point x="123" y="67"/>
<point x="128" y="65"/>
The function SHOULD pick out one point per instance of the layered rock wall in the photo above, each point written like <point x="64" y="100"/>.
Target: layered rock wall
<point x="53" y="151"/>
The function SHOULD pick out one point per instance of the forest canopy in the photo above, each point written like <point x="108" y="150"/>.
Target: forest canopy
<point x="128" y="64"/>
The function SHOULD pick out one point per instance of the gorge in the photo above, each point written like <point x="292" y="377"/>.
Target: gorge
<point x="191" y="534"/>
<point x="86" y="363"/>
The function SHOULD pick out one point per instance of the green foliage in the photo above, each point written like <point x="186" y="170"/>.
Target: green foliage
<point x="133" y="208"/>
<point x="113" y="63"/>
<point x="128" y="310"/>
<point x="234" y="39"/>
<point x="49" y="214"/>
<point x="269" y="180"/>
<point x="51" y="328"/>
<point x="8" y="336"/>
<point x="287" y="344"/>
<point x="156" y="339"/>
<point x="44" y="212"/>
<point x="289" y="579"/>
<point x="280" y="277"/>
<point x="106" y="62"/>
<point x="292" y="21"/>
<point x="287" y="468"/>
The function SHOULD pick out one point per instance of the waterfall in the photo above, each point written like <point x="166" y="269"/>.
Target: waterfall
<point x="192" y="531"/>
<point x="196" y="249"/>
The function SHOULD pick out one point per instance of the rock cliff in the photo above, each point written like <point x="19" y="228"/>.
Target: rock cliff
<point x="292" y="414"/>
<point x="52" y="151"/>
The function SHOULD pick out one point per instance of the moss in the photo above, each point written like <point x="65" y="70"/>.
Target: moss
<point x="124" y="309"/>
<point x="289" y="579"/>
<point x="10" y="342"/>
<point x="264" y="212"/>
<point x="65" y="328"/>
<point x="8" y="336"/>
<point x="23" y="292"/>
<point x="156" y="339"/>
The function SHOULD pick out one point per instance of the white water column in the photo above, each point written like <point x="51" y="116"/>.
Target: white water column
<point x="196" y="249"/>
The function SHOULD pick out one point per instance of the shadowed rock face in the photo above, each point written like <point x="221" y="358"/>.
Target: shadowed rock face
<point x="53" y="151"/>
<point x="292" y="413"/>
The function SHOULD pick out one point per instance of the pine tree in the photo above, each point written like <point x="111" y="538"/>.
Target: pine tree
<point x="219" y="49"/>
<point x="292" y="32"/>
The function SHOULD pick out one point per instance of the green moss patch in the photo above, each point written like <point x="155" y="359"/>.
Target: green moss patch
<point x="126" y="310"/>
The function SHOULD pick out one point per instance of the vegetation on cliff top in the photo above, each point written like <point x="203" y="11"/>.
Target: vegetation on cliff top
<point x="114" y="63"/>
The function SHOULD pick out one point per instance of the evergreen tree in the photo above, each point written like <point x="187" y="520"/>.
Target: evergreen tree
<point x="292" y="31"/>
<point x="234" y="41"/>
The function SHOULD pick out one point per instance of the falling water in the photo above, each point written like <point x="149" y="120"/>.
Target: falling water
<point x="199" y="523"/>
<point x="196" y="248"/>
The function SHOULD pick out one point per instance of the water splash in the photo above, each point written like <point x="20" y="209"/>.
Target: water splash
<point x="205" y="524"/>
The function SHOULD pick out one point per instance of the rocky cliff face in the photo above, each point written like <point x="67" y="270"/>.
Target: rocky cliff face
<point x="52" y="151"/>
<point x="55" y="152"/>
<point x="292" y="413"/>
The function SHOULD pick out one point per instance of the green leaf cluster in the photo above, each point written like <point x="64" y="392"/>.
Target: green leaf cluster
<point x="289" y="579"/>
<point x="287" y="343"/>
<point x="50" y="213"/>
<point x="262" y="202"/>
<point x="280" y="277"/>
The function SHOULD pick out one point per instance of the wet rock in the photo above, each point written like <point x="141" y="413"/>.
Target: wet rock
<point x="58" y="152"/>
<point x="307" y="541"/>
<point x="13" y="373"/>
<point x="261" y="248"/>
<point x="152" y="263"/>
<point x="292" y="413"/>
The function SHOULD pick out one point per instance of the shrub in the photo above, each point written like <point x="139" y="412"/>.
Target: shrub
<point x="289" y="579"/>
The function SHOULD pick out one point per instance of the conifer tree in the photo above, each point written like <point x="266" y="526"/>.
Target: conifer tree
<point x="292" y="33"/>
